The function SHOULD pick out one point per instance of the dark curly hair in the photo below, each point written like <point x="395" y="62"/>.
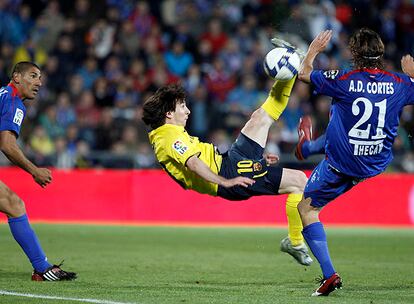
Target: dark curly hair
<point x="367" y="49"/>
<point x="164" y="100"/>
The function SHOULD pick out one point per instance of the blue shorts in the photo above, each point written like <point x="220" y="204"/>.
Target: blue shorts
<point x="245" y="158"/>
<point x="326" y="183"/>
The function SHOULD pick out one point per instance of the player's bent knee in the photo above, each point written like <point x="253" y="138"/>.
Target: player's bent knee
<point x="302" y="179"/>
<point x="304" y="206"/>
<point x="18" y="205"/>
<point x="293" y="181"/>
<point x="12" y="205"/>
<point x="258" y="117"/>
<point x="308" y="213"/>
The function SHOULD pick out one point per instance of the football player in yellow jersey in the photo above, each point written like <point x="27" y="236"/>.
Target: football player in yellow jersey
<point x="238" y="174"/>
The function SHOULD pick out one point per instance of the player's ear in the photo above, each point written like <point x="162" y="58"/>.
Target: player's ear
<point x="17" y="77"/>
<point x="168" y="114"/>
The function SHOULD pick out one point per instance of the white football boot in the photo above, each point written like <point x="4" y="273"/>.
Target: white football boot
<point x="300" y="253"/>
<point x="277" y="42"/>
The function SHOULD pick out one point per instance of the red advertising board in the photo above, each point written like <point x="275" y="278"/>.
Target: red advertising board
<point x="150" y="196"/>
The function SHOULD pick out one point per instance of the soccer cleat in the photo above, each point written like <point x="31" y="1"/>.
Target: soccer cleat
<point x="300" y="253"/>
<point x="277" y="42"/>
<point x="305" y="134"/>
<point x="53" y="273"/>
<point x="328" y="285"/>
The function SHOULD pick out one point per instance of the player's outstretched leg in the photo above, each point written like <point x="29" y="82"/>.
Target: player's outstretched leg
<point x="278" y="98"/>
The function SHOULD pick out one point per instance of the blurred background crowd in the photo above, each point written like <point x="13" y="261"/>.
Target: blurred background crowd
<point x="101" y="59"/>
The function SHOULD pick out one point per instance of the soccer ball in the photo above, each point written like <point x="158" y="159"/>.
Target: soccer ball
<point x="281" y="63"/>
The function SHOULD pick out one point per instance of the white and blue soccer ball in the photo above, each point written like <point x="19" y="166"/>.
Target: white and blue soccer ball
<point x="281" y="63"/>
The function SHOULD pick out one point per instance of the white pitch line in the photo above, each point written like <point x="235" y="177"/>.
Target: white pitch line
<point x="37" y="296"/>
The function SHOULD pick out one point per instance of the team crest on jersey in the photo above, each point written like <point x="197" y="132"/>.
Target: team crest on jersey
<point x="331" y="74"/>
<point x="257" y="167"/>
<point x="180" y="147"/>
<point x="18" y="117"/>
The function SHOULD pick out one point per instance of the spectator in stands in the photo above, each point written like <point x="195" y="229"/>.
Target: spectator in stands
<point x="246" y="95"/>
<point x="89" y="72"/>
<point x="63" y="157"/>
<point x="65" y="112"/>
<point x="48" y="120"/>
<point x="178" y="60"/>
<point x="129" y="38"/>
<point x="42" y="146"/>
<point x="200" y="121"/>
<point x="30" y="51"/>
<point x="215" y="35"/>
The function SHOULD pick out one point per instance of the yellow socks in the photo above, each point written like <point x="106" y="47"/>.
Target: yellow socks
<point x="294" y="222"/>
<point x="278" y="98"/>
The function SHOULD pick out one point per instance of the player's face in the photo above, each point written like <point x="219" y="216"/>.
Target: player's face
<point x="180" y="115"/>
<point x="29" y="83"/>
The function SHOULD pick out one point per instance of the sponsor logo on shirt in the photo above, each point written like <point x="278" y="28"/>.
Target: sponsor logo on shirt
<point x="367" y="148"/>
<point x="180" y="147"/>
<point x="331" y="74"/>
<point x="18" y="117"/>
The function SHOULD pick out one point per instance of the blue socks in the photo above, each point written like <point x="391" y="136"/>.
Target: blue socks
<point x="313" y="147"/>
<point x="27" y="239"/>
<point x="315" y="236"/>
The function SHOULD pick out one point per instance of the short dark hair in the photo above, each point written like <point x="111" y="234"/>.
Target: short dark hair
<point x="164" y="100"/>
<point x="367" y="49"/>
<point x="22" y="67"/>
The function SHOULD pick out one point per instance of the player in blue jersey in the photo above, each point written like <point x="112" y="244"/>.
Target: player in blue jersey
<point x="24" y="85"/>
<point x="366" y="106"/>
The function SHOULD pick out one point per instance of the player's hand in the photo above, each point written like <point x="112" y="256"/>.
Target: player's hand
<point x="42" y="176"/>
<point x="407" y="65"/>
<point x="320" y="42"/>
<point x="271" y="159"/>
<point x="238" y="181"/>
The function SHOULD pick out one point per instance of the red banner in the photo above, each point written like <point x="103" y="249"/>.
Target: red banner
<point x="150" y="196"/>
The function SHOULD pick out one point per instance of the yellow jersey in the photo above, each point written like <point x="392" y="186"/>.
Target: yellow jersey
<point x="173" y="146"/>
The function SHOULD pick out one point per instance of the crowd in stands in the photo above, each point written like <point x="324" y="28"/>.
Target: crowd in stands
<point x="101" y="59"/>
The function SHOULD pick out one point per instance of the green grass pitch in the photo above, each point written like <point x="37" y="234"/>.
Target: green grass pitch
<point x="208" y="265"/>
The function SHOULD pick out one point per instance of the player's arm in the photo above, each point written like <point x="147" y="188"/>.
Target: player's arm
<point x="317" y="46"/>
<point x="407" y="65"/>
<point x="200" y="168"/>
<point x="8" y="145"/>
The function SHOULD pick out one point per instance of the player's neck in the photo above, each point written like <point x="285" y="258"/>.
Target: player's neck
<point x="16" y="90"/>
